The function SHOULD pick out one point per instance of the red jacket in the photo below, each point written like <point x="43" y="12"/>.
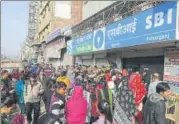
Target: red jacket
<point x="76" y="107"/>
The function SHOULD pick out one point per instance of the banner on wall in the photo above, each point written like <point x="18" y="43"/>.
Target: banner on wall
<point x="171" y="65"/>
<point x="171" y="72"/>
<point x="153" y="25"/>
<point x="84" y="44"/>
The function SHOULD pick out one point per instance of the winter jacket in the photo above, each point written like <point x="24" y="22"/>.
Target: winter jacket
<point x="57" y="106"/>
<point x="34" y="92"/>
<point x="154" y="110"/>
<point x="47" y="98"/>
<point x="20" y="91"/>
<point x="76" y="107"/>
<point x="6" y="85"/>
<point x="44" y="81"/>
<point x="64" y="79"/>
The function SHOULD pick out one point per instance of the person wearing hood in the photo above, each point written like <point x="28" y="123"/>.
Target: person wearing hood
<point x="76" y="107"/>
<point x="64" y="78"/>
<point x="155" y="107"/>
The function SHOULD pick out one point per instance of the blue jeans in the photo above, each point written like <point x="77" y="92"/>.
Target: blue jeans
<point x="22" y="107"/>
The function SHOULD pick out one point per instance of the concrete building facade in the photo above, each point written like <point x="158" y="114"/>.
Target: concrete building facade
<point x="53" y="27"/>
<point x="92" y="7"/>
<point x="123" y="33"/>
<point x="51" y="16"/>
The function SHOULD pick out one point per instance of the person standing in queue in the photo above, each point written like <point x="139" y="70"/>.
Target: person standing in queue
<point x="76" y="107"/>
<point x="34" y="93"/>
<point x="155" y="107"/>
<point x="57" y="101"/>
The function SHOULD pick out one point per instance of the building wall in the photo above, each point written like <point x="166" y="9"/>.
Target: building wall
<point x="77" y="11"/>
<point x="51" y="17"/>
<point x="45" y="16"/>
<point x="92" y="7"/>
<point x="67" y="60"/>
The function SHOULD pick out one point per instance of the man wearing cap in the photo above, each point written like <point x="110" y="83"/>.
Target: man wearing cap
<point x="34" y="93"/>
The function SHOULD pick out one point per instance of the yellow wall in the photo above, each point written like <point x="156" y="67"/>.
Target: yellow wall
<point x="45" y="17"/>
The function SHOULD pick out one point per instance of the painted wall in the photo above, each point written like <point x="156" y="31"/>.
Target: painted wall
<point x="92" y="7"/>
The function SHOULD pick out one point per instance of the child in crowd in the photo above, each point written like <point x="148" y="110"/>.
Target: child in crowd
<point x="57" y="104"/>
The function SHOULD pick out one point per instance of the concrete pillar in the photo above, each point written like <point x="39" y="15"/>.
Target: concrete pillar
<point x="119" y="60"/>
<point x="94" y="61"/>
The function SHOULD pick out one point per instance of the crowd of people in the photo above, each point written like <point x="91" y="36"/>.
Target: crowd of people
<point x="83" y="95"/>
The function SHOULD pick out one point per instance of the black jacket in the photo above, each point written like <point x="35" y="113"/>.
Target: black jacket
<point x="47" y="99"/>
<point x="154" y="110"/>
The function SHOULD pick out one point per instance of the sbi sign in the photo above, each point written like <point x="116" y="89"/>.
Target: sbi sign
<point x="157" y="20"/>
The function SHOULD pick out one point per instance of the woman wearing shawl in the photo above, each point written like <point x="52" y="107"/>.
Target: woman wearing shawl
<point x="124" y="104"/>
<point x="138" y="89"/>
<point x="76" y="107"/>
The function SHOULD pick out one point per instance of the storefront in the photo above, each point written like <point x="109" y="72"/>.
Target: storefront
<point x="136" y="41"/>
<point x="55" y="52"/>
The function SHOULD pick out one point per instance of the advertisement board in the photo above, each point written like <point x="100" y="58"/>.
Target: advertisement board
<point x="153" y="25"/>
<point x="171" y="65"/>
<point x="84" y="44"/>
<point x="171" y="72"/>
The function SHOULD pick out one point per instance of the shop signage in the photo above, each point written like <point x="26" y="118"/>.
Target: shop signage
<point x="84" y="44"/>
<point x="69" y="47"/>
<point x="53" y="35"/>
<point x="153" y="25"/>
<point x="99" y="39"/>
<point x="171" y="65"/>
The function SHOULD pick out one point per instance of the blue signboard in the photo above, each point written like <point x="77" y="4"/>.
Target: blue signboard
<point x="153" y="25"/>
<point x="69" y="47"/>
<point x="53" y="35"/>
<point x="99" y="39"/>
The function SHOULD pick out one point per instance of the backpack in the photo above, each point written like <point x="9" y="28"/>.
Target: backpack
<point x="19" y="119"/>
